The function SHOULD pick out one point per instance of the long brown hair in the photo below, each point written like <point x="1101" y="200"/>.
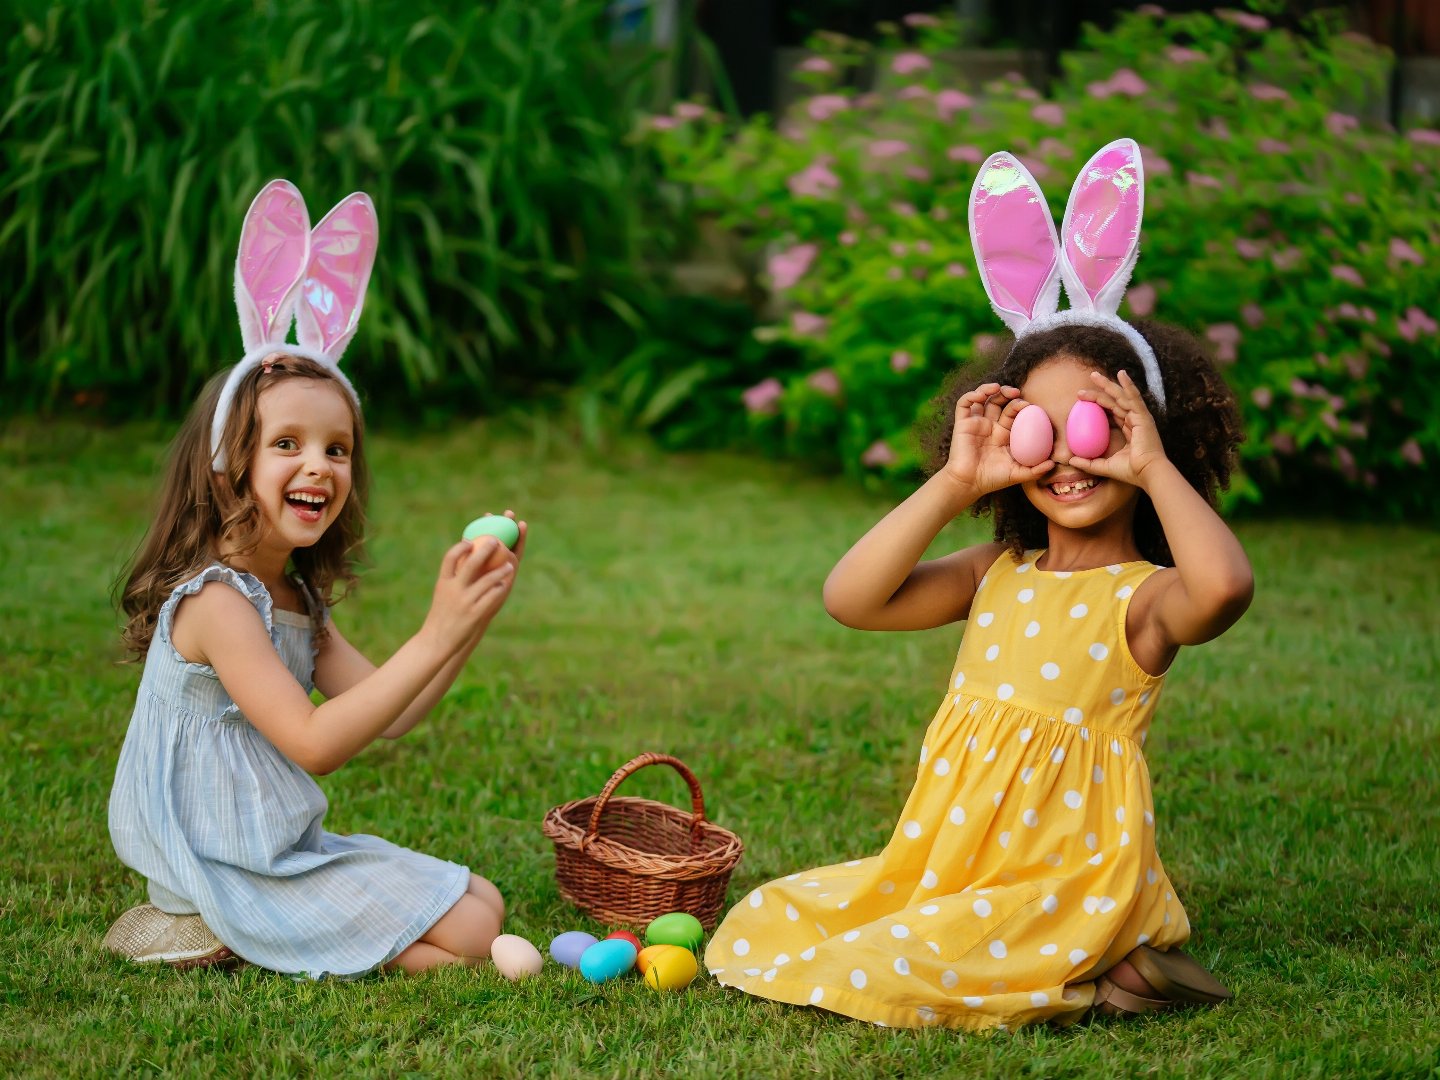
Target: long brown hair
<point x="203" y="512"/>
<point x="1199" y="426"/>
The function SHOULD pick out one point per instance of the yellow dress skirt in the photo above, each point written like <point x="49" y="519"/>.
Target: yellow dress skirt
<point x="1023" y="865"/>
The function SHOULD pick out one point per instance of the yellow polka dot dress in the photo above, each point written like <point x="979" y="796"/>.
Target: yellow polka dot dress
<point x="1024" y="862"/>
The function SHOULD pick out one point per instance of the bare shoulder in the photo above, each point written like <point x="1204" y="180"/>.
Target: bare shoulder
<point x="215" y="613"/>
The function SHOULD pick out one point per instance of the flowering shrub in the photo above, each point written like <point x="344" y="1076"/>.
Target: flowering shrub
<point x="1299" y="240"/>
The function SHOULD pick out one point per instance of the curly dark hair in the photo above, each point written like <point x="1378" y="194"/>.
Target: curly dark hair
<point x="1200" y="426"/>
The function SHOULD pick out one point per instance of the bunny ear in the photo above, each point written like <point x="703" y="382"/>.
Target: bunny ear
<point x="274" y="247"/>
<point x="1015" y="243"/>
<point x="1101" y="231"/>
<point x="342" y="251"/>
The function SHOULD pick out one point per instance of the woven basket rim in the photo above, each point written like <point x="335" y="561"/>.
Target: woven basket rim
<point x="620" y="856"/>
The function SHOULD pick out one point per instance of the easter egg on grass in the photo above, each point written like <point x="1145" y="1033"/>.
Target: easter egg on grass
<point x="1031" y="436"/>
<point x="607" y="960"/>
<point x="648" y="954"/>
<point x="677" y="928"/>
<point x="624" y="935"/>
<point x="514" y="957"/>
<point x="671" y="968"/>
<point x="1087" y="430"/>
<point x="568" y="947"/>
<point x="499" y="526"/>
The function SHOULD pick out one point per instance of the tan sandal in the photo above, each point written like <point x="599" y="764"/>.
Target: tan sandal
<point x="147" y="935"/>
<point x="1177" y="976"/>
<point x="1111" y="999"/>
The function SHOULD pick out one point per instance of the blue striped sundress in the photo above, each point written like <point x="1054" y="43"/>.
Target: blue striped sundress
<point x="222" y="823"/>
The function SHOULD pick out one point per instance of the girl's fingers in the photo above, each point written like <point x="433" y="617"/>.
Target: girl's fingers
<point x="451" y="562"/>
<point x="520" y="543"/>
<point x="1012" y="409"/>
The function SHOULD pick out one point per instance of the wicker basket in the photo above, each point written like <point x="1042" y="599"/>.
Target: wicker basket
<point x="652" y="859"/>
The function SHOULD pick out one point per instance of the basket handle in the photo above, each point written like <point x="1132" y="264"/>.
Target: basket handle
<point x="697" y="800"/>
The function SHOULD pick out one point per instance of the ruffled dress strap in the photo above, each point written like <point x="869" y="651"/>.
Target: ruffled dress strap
<point x="246" y="584"/>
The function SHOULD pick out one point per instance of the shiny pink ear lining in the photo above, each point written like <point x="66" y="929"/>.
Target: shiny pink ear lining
<point x="274" y="246"/>
<point x="1015" y="242"/>
<point x="332" y="293"/>
<point x="1100" y="235"/>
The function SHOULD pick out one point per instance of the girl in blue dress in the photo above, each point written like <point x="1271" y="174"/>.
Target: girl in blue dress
<point x="228" y="602"/>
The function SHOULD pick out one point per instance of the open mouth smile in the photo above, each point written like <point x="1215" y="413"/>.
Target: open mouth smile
<point x="1073" y="490"/>
<point x="308" y="506"/>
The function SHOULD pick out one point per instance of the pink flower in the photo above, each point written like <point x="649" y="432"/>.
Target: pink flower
<point x="1178" y="54"/>
<point x="1141" y="299"/>
<point x="1099" y="89"/>
<point x="1283" y="442"/>
<point x="1155" y="165"/>
<point x="1262" y="396"/>
<point x="848" y="238"/>
<point x="1244" y="19"/>
<point x="808" y="324"/>
<point x="813" y="181"/>
<point x="1224" y="333"/>
<point x="1424" y="136"/>
<point x="887" y="148"/>
<point x="903" y="209"/>
<point x="1401" y="251"/>
<point x="1347" y="310"/>
<point x="917" y="20"/>
<point x="985" y="343"/>
<point x="1343" y="454"/>
<point x="1253" y="315"/>
<point x="1150" y="9"/>
<point x="1027" y="93"/>
<point x="939" y="213"/>
<point x="1052" y="147"/>
<point x="900" y="360"/>
<point x="663" y="123"/>
<point x="823" y="106"/>
<point x="949" y="102"/>
<point x="910" y="93"/>
<point x="1322" y="359"/>
<point x="972" y="154"/>
<point x="1357" y="365"/>
<point x="817" y="64"/>
<point x="1266" y="92"/>
<point x="1415" y="323"/>
<point x="1249" y="249"/>
<point x="1128" y="84"/>
<point x="910" y="62"/>
<point x="879" y="454"/>
<point x="1218" y="129"/>
<point x="788" y="267"/>
<point x="762" y="397"/>
<point x="826" y="381"/>
<point x="1272" y="146"/>
<point x="1410" y="451"/>
<point x="899" y="250"/>
<point x="1287" y="258"/>
<point x="1202" y="180"/>
<point x="1300" y="388"/>
<point x="1330" y="420"/>
<point x="917" y="173"/>
<point x="1048" y="113"/>
<point x="1354" y="198"/>
<point x="922" y="246"/>
<point x="1339" y="123"/>
<point x="956" y="269"/>
<point x="688" y="110"/>
<point x="1349" y="275"/>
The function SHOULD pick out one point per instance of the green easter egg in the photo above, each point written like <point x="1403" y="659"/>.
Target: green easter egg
<point x="502" y="528"/>
<point x="677" y="928"/>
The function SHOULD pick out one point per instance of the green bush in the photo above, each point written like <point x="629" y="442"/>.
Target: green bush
<point x="1300" y="241"/>
<point x="494" y="138"/>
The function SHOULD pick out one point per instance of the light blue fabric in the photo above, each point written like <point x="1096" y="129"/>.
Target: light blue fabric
<point x="222" y="823"/>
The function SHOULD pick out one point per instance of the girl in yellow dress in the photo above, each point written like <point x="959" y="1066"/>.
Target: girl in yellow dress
<point x="1022" y="882"/>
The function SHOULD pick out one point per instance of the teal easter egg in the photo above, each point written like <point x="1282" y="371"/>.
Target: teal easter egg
<point x="570" y="946"/>
<point x="607" y="959"/>
<point x="677" y="928"/>
<point x="502" y="528"/>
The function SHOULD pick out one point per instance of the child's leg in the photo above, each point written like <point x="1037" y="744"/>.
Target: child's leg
<point x="488" y="894"/>
<point x="462" y="936"/>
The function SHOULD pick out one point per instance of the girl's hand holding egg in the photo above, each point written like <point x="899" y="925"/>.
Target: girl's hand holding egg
<point x="981" y="458"/>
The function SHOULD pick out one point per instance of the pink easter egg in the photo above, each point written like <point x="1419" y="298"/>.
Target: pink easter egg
<point x="1031" y="436"/>
<point x="1087" y="430"/>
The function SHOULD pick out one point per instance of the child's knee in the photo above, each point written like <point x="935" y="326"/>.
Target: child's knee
<point x="467" y="929"/>
<point x="488" y="894"/>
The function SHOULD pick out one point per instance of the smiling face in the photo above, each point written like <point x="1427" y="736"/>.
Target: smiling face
<point x="300" y="474"/>
<point x="1067" y="495"/>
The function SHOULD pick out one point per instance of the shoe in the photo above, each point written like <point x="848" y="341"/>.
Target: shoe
<point x="147" y="935"/>
<point x="1172" y="973"/>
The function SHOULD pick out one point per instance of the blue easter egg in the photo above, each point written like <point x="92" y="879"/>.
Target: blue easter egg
<point x="568" y="947"/>
<point x="607" y="959"/>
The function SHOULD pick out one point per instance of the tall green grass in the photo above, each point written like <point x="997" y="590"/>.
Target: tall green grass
<point x="494" y="139"/>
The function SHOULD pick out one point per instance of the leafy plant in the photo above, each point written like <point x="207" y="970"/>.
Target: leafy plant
<point x="1297" y="238"/>
<point x="516" y="216"/>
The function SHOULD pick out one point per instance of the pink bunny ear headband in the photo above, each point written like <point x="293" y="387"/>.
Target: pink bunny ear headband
<point x="1022" y="261"/>
<point x="285" y="270"/>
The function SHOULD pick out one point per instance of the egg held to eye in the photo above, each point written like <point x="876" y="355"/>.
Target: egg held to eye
<point x="1031" y="436"/>
<point x="1087" y="430"/>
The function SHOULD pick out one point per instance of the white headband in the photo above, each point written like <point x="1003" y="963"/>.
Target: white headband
<point x="1023" y="261"/>
<point x="284" y="270"/>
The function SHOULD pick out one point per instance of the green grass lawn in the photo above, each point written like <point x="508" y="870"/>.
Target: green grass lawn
<point x="673" y="603"/>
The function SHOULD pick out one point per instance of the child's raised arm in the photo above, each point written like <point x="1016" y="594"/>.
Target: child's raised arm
<point x="1211" y="583"/>
<point x="220" y="627"/>
<point x="880" y="583"/>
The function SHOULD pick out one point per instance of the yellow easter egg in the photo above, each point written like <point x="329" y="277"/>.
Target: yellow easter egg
<point x="671" y="968"/>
